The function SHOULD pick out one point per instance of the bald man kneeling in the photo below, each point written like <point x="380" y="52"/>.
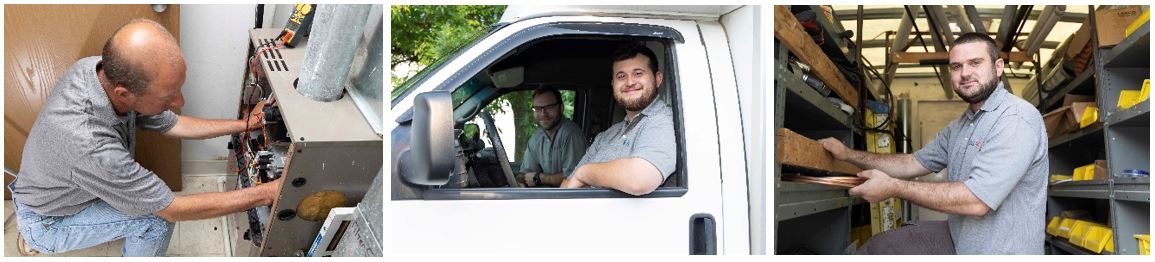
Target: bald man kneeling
<point x="79" y="185"/>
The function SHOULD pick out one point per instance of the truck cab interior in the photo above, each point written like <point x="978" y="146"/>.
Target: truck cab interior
<point x="579" y="67"/>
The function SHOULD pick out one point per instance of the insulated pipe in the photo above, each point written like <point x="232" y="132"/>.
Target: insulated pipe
<point x="329" y="54"/>
<point x="963" y="21"/>
<point x="1038" y="38"/>
<point x="943" y="26"/>
<point x="976" y="21"/>
<point x="900" y="41"/>
<point x="1039" y="24"/>
<point x="1005" y="27"/>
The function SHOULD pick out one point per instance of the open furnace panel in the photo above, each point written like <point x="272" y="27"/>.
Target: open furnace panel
<point x="314" y="146"/>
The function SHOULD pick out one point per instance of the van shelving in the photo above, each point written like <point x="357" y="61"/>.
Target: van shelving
<point x="1125" y="145"/>
<point x="809" y="218"/>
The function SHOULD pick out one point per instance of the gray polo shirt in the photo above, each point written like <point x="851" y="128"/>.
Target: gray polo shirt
<point x="558" y="155"/>
<point x="1000" y="154"/>
<point x="80" y="150"/>
<point x="651" y="137"/>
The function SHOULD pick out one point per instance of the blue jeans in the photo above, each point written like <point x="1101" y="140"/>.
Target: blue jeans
<point x="97" y="224"/>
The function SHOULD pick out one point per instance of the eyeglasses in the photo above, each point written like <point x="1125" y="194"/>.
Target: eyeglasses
<point x="543" y="108"/>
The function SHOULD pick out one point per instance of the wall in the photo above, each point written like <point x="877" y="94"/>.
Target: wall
<point x="215" y="44"/>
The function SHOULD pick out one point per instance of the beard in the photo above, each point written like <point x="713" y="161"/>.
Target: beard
<point x="551" y="125"/>
<point x="984" y="92"/>
<point x="637" y="104"/>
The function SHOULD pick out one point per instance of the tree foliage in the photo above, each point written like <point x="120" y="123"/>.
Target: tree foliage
<point x="422" y="34"/>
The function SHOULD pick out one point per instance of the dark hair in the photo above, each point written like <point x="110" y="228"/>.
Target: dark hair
<point x="122" y="70"/>
<point x="631" y="50"/>
<point x="979" y="37"/>
<point x="551" y="90"/>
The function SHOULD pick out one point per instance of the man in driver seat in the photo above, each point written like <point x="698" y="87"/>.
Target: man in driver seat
<point x="555" y="148"/>
<point x="635" y="155"/>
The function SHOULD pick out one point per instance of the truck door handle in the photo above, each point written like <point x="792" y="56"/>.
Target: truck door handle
<point x="703" y="235"/>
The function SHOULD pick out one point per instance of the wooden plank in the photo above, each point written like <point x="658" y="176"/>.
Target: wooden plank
<point x="917" y="57"/>
<point x="797" y="150"/>
<point x="790" y="33"/>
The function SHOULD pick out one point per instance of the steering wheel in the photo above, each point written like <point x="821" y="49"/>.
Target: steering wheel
<point x="499" y="149"/>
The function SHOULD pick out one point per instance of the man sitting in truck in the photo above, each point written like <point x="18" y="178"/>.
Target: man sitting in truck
<point x="637" y="154"/>
<point x="557" y="145"/>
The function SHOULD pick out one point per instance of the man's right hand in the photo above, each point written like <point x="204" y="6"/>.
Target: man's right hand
<point x="835" y="147"/>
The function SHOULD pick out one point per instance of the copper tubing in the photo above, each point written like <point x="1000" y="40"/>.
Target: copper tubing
<point x="840" y="181"/>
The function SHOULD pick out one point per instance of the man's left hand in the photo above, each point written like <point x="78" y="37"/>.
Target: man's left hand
<point x="877" y="187"/>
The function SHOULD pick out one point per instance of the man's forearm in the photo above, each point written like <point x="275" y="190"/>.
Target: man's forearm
<point x="214" y="204"/>
<point x="198" y="128"/>
<point x="896" y="165"/>
<point x="633" y="176"/>
<point x="553" y="179"/>
<point x="946" y="197"/>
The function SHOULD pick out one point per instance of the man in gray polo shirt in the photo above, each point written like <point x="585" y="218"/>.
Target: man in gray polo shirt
<point x="79" y="185"/>
<point x="635" y="155"/>
<point x="996" y="158"/>
<point x="556" y="147"/>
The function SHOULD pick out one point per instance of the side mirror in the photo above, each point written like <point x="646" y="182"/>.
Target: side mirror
<point x="431" y="156"/>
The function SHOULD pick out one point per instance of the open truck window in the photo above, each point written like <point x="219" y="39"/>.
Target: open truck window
<point x="492" y="109"/>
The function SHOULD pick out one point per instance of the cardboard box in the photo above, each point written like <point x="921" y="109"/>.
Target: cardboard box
<point x="1070" y="99"/>
<point x="1110" y="23"/>
<point x="1065" y="119"/>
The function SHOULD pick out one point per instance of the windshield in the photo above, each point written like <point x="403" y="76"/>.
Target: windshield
<point x="406" y="87"/>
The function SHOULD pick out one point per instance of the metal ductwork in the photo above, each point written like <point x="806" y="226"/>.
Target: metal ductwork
<point x="336" y="32"/>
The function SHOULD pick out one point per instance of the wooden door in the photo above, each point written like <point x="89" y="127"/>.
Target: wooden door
<point x="41" y="42"/>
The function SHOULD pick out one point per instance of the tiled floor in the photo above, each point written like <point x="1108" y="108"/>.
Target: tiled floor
<point x="190" y="238"/>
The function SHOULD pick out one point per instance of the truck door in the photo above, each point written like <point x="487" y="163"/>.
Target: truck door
<point x="681" y="217"/>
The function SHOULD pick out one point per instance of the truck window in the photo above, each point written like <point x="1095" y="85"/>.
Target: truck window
<point x="573" y="56"/>
<point x="580" y="68"/>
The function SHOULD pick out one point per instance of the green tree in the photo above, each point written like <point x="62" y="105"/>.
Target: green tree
<point x="422" y="34"/>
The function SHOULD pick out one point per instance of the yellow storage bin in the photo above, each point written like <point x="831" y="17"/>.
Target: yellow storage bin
<point x="1139" y="21"/>
<point x="1079" y="232"/>
<point x="1065" y="227"/>
<point x="1127" y="99"/>
<point x="1097" y="238"/>
<point x="1090" y="116"/>
<point x="1144" y="244"/>
<point x="1110" y="245"/>
<point x="1145" y="91"/>
<point x="1053" y="226"/>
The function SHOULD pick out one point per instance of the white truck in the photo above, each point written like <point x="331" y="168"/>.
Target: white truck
<point x="714" y="203"/>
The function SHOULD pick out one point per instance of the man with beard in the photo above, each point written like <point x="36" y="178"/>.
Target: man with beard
<point x="996" y="160"/>
<point x="637" y="154"/>
<point x="557" y="145"/>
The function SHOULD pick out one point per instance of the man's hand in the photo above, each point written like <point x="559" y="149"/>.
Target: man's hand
<point x="528" y="179"/>
<point x="877" y="187"/>
<point x="573" y="182"/>
<point x="271" y="190"/>
<point x="835" y="147"/>
<point x="256" y="117"/>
